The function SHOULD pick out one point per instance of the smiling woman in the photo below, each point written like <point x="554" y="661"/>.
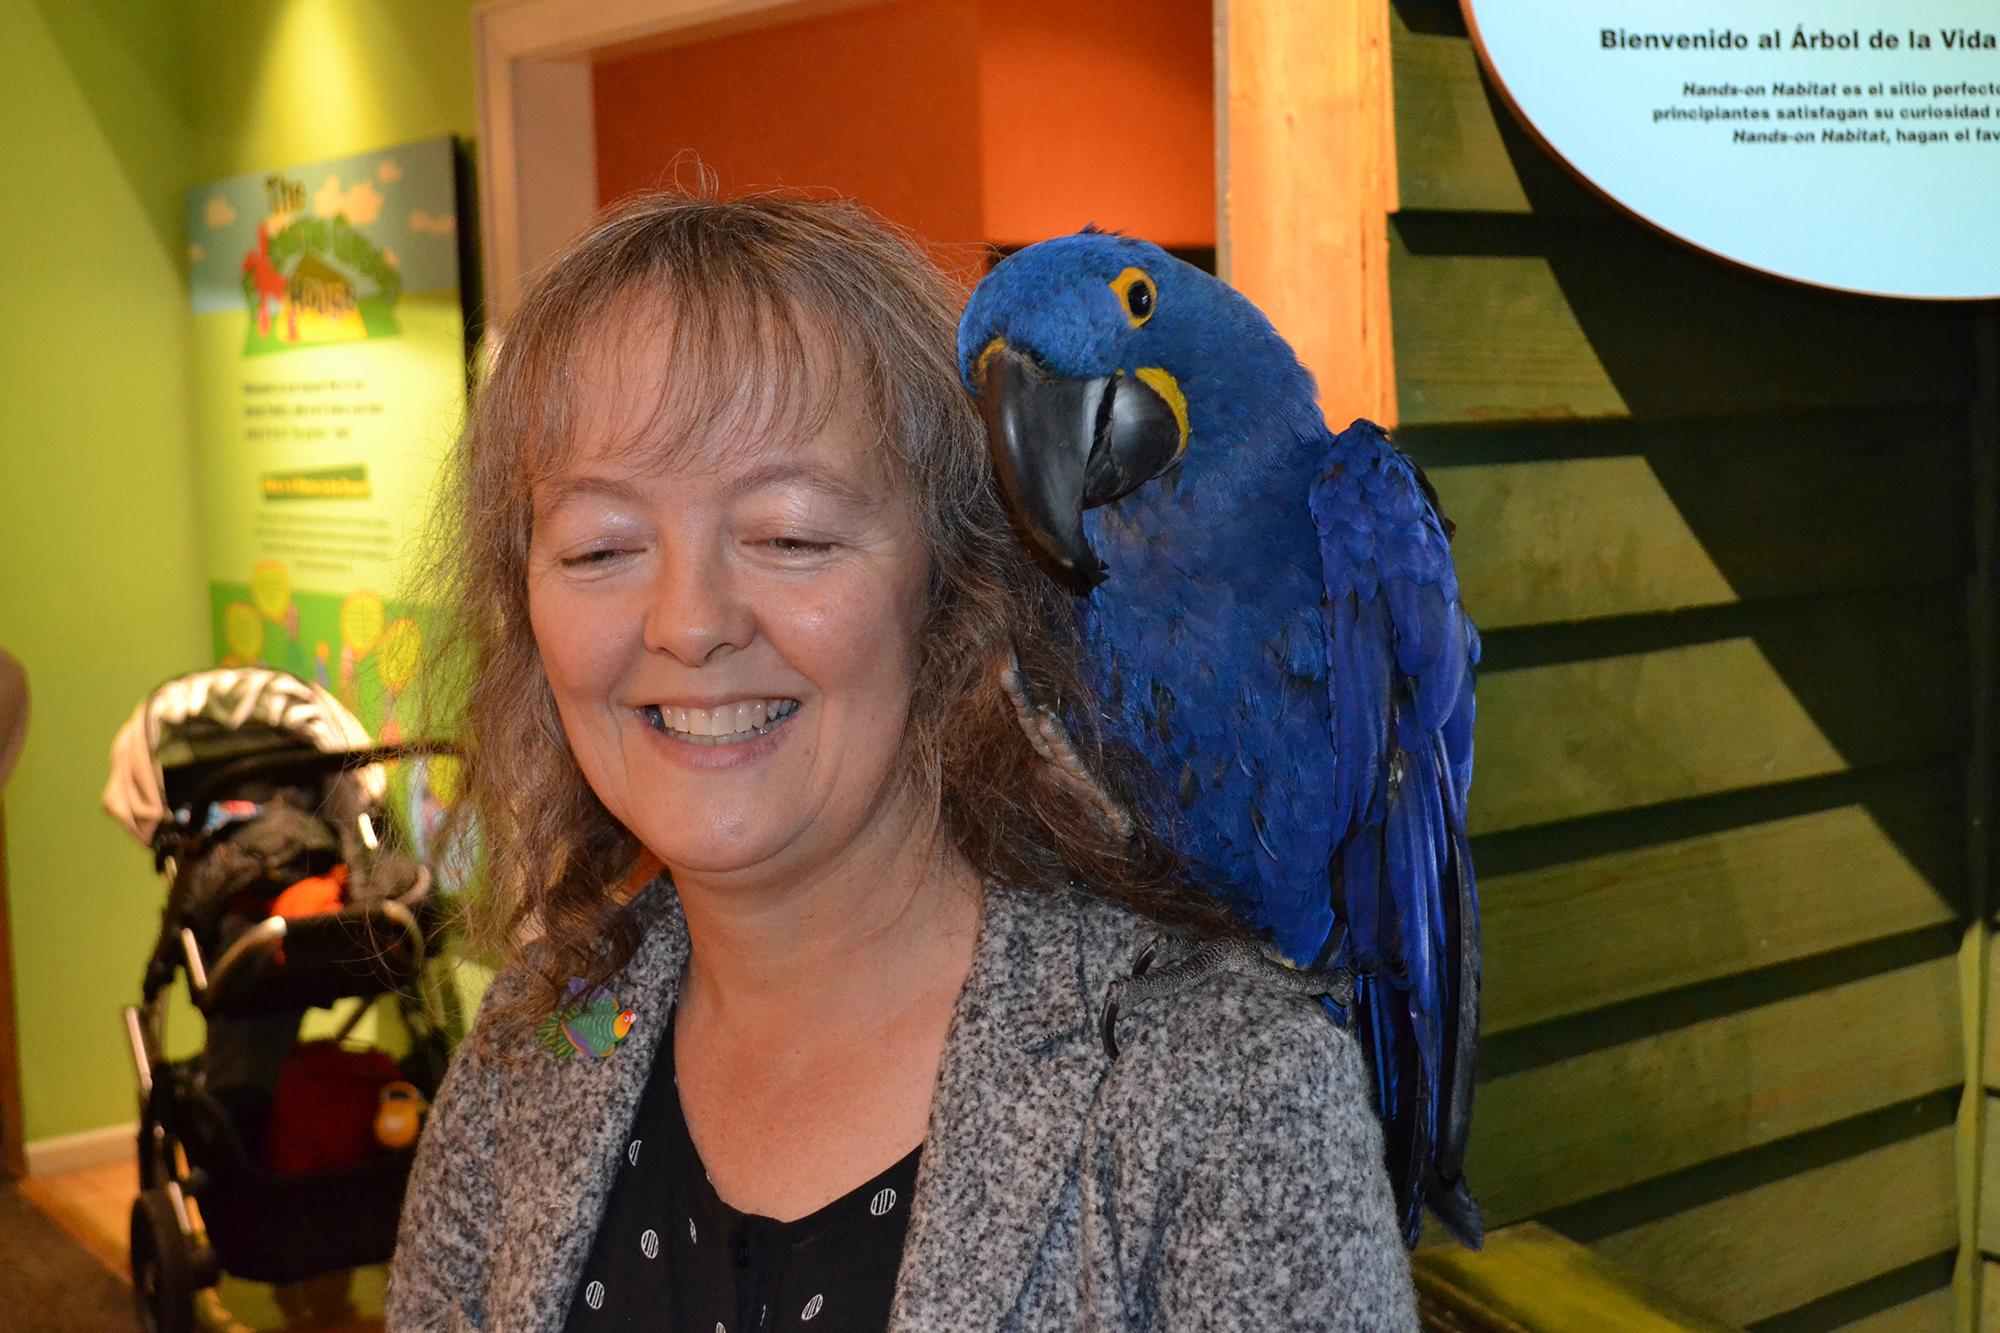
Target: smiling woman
<point x="735" y="595"/>
<point x="730" y="634"/>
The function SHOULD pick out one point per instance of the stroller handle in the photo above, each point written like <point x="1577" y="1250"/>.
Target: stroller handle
<point x="254" y="945"/>
<point x="297" y="759"/>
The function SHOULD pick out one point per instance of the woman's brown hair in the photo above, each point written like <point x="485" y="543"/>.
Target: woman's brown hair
<point x="755" y="290"/>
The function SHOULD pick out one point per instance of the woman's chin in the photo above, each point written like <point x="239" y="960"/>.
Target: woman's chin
<point x="732" y="851"/>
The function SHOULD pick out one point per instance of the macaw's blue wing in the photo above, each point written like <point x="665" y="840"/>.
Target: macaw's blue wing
<point x="1400" y="658"/>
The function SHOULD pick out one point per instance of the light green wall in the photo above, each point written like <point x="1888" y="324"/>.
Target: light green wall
<point x="112" y="109"/>
<point x="277" y="81"/>
<point x="98" y="590"/>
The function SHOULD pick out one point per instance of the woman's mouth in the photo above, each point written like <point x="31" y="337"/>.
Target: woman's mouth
<point x="731" y="724"/>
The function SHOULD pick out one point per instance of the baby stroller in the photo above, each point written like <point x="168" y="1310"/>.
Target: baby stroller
<point x="263" y="803"/>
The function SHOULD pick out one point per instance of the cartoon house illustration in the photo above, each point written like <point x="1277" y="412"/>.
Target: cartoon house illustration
<point x="310" y="283"/>
<point x="323" y="300"/>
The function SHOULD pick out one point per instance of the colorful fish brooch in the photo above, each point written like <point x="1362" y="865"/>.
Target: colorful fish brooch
<point x="592" y="1023"/>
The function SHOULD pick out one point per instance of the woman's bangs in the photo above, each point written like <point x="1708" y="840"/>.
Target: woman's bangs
<point x="695" y="373"/>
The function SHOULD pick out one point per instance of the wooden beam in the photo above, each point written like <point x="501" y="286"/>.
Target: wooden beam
<point x="1976" y="1195"/>
<point x="1306" y="181"/>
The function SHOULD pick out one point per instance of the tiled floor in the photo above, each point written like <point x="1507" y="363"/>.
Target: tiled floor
<point x="95" y="1206"/>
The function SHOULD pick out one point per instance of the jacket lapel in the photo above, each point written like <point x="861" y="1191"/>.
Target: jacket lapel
<point x="1021" y="1067"/>
<point x="577" y="1124"/>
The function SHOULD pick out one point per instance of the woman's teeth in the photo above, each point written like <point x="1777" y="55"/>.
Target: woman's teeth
<point x="719" y="726"/>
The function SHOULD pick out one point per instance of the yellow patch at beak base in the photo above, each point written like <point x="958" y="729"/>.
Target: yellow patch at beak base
<point x="1162" y="382"/>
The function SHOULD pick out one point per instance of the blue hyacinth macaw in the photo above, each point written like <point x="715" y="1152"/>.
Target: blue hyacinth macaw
<point x="1273" y="622"/>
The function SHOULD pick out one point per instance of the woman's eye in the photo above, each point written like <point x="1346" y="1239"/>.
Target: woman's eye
<point x="587" y="559"/>
<point x="797" y="546"/>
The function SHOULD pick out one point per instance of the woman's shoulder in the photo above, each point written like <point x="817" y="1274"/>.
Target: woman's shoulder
<point x="1184" y="1015"/>
<point x="1234" y="1135"/>
<point x="1172" y="990"/>
<point x="1221" y="1018"/>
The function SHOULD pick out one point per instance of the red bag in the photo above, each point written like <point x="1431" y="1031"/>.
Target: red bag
<point x="324" y="1113"/>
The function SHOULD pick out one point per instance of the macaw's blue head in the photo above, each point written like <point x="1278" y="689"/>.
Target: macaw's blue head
<point x="1099" y="362"/>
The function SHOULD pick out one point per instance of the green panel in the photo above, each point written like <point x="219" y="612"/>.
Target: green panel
<point x="1990" y="1029"/>
<point x="1797" y="689"/>
<point x="1500" y="319"/>
<point x="1933" y="1312"/>
<point x="1617" y="518"/>
<point x="99" y="595"/>
<point x="298" y="80"/>
<point x="1612" y="1117"/>
<point x="1989" y="1179"/>
<point x="1450" y="149"/>
<point x="1771" y="1249"/>
<point x="1695" y="909"/>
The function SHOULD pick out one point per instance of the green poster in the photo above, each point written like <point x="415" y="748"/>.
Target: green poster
<point x="330" y="345"/>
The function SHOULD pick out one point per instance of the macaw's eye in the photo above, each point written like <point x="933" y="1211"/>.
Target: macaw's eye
<point x="1137" y="294"/>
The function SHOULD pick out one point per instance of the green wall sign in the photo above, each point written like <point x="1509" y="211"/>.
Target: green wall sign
<point x="330" y="334"/>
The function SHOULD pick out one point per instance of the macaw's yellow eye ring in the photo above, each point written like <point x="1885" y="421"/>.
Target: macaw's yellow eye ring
<point x="1137" y="294"/>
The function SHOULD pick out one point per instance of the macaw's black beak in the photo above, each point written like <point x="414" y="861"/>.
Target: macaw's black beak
<point x="1061" y="446"/>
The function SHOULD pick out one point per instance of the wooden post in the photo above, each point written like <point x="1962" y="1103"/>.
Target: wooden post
<point x="13" y="1157"/>
<point x="1306" y="179"/>
<point x="1983" y="620"/>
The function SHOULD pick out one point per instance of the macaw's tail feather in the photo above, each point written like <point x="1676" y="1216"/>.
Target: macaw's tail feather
<point x="1461" y="1042"/>
<point x="1458" y="1210"/>
<point x="1406" y="889"/>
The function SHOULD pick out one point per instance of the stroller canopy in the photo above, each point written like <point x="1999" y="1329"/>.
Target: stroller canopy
<point x="190" y="720"/>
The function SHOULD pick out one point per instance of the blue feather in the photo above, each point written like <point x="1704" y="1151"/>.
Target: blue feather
<point x="1281" y="636"/>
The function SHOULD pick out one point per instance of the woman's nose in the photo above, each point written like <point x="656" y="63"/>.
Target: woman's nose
<point x="694" y="611"/>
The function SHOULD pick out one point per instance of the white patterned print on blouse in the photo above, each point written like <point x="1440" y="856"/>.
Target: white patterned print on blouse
<point x="884" y="1200"/>
<point x="649" y="1243"/>
<point x="813" y="1307"/>
<point x="632" y="1152"/>
<point x="691" y="1235"/>
<point x="593" y="1295"/>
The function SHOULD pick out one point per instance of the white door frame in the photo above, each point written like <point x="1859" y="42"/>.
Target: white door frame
<point x="537" y="132"/>
<point x="1305" y="155"/>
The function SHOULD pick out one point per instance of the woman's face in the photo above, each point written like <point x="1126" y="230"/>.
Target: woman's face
<point x="731" y="637"/>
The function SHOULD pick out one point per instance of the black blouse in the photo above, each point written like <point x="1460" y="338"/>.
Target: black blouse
<point x="671" y="1255"/>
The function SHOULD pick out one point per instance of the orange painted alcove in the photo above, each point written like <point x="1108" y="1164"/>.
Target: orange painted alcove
<point x="973" y="122"/>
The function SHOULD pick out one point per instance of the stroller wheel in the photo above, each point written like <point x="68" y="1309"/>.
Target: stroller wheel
<point x="163" y="1265"/>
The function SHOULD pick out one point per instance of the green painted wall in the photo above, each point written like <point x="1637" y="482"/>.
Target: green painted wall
<point x="113" y="109"/>
<point x="277" y="81"/>
<point x="98" y="590"/>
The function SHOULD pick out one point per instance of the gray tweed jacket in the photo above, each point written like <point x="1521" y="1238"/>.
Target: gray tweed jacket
<point x="1223" y="1171"/>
